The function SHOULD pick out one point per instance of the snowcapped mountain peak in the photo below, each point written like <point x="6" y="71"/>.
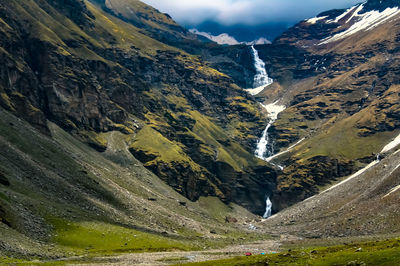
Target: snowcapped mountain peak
<point x="226" y="39"/>
<point x="259" y="41"/>
<point x="340" y="24"/>
<point x="223" y="38"/>
<point x="358" y="20"/>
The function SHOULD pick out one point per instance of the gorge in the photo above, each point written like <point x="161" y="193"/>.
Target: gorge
<point x="123" y="133"/>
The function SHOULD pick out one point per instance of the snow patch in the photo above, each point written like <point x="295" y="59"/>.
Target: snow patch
<point x="315" y="20"/>
<point x="338" y="18"/>
<point x="273" y="109"/>
<point x="256" y="91"/>
<point x="285" y="151"/>
<point x="355" y="14"/>
<point x="391" y="145"/>
<point x="366" y="22"/>
<point x="392" y="191"/>
<point x="359" y="172"/>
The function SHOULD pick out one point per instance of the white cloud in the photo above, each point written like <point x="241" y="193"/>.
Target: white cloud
<point x="249" y="12"/>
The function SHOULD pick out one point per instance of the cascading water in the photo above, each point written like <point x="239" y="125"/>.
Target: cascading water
<point x="265" y="147"/>
<point x="268" y="209"/>
<point x="261" y="78"/>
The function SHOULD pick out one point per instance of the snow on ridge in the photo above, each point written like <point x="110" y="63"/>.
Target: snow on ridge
<point x="355" y="14"/>
<point x="337" y="19"/>
<point x="223" y="38"/>
<point x="315" y="20"/>
<point x="259" y="41"/>
<point x="367" y="21"/>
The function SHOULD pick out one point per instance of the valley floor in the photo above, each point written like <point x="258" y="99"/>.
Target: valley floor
<point x="289" y="250"/>
<point x="168" y="258"/>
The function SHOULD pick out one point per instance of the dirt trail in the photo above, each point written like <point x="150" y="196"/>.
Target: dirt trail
<point x="174" y="257"/>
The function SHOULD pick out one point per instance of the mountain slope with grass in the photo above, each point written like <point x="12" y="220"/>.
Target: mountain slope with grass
<point x="337" y="74"/>
<point x="121" y="132"/>
<point x="107" y="124"/>
<point x="92" y="72"/>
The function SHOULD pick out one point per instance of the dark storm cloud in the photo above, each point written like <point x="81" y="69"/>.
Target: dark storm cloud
<point x="245" y="12"/>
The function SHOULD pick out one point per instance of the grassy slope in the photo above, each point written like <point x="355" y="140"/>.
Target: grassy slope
<point x="385" y="252"/>
<point x="81" y="202"/>
<point x="347" y="114"/>
<point x="228" y="139"/>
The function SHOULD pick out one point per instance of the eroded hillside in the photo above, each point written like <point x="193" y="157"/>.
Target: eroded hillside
<point x="90" y="73"/>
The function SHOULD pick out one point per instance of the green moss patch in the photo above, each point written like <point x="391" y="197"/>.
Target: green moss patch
<point x="97" y="237"/>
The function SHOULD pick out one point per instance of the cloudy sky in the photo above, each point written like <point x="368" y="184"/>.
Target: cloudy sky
<point x="239" y="17"/>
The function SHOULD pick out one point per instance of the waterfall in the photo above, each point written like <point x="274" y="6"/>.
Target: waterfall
<point x="265" y="147"/>
<point x="268" y="208"/>
<point x="262" y="150"/>
<point x="261" y="78"/>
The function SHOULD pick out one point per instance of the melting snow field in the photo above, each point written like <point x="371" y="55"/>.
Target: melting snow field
<point x="392" y="191"/>
<point x="256" y="91"/>
<point x="367" y="21"/>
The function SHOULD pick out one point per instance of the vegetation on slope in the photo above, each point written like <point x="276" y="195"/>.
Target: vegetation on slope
<point x="100" y="68"/>
<point x="386" y="252"/>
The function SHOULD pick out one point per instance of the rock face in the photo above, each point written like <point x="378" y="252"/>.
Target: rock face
<point x="236" y="61"/>
<point x="339" y="80"/>
<point x="87" y="69"/>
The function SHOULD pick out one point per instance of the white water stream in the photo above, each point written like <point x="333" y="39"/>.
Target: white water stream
<point x="264" y="146"/>
<point x="261" y="79"/>
<point x="265" y="149"/>
<point x="268" y="209"/>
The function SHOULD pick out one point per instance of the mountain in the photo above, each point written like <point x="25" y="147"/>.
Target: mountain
<point x="225" y="38"/>
<point x="366" y="204"/>
<point x="220" y="39"/>
<point x="338" y="76"/>
<point x="119" y="111"/>
<point x="121" y="131"/>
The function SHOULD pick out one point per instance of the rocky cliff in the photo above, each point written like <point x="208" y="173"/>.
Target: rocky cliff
<point x="93" y="67"/>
